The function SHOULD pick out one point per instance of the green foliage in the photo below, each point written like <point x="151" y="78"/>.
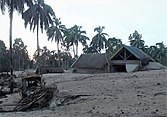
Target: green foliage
<point x="38" y="15"/>
<point x="74" y="36"/>
<point x="158" y="51"/>
<point x="12" y="5"/>
<point x="20" y="57"/>
<point x="55" y="32"/>
<point x="99" y="40"/>
<point x="135" y="40"/>
<point x="88" y="50"/>
<point x="51" y="58"/>
<point x="18" y="5"/>
<point x="4" y="60"/>
<point x="113" y="45"/>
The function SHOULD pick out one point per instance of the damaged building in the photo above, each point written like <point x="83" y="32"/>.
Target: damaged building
<point x="125" y="59"/>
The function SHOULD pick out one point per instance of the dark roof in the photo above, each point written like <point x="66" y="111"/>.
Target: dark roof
<point x="90" y="61"/>
<point x="139" y="54"/>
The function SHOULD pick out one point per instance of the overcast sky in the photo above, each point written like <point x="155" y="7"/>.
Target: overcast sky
<point x="120" y="18"/>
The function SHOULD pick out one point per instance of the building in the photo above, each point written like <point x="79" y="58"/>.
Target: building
<point x="90" y="63"/>
<point x="129" y="59"/>
<point x="125" y="59"/>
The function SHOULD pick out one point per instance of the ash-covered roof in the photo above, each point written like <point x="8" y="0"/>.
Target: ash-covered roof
<point x="90" y="61"/>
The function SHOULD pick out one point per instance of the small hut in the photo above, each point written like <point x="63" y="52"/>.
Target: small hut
<point x="48" y="69"/>
<point x="90" y="63"/>
<point x="129" y="59"/>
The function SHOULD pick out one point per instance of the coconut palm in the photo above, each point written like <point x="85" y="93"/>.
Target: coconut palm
<point x="99" y="40"/>
<point x="65" y="58"/>
<point x="135" y="40"/>
<point x="113" y="44"/>
<point x="20" y="55"/>
<point x="73" y="36"/>
<point x="55" y="32"/>
<point x="88" y="50"/>
<point x="12" y="5"/>
<point x="39" y="15"/>
<point x="161" y="55"/>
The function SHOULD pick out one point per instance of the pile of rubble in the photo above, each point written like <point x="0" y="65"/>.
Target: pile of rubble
<point x="5" y="82"/>
<point x="34" y="94"/>
<point x="39" y="98"/>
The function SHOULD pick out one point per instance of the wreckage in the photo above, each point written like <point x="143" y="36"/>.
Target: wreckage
<point x="34" y="94"/>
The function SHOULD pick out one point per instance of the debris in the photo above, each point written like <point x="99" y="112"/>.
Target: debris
<point x="158" y="83"/>
<point x="160" y="93"/>
<point x="34" y="94"/>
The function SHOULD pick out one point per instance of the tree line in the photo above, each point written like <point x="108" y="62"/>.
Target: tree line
<point x="64" y="59"/>
<point x="39" y="16"/>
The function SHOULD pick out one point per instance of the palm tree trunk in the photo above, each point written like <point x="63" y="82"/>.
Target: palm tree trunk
<point x="10" y="41"/>
<point x="74" y="50"/>
<point x="38" y="38"/>
<point x="58" y="47"/>
<point x="10" y="38"/>
<point x="77" y="50"/>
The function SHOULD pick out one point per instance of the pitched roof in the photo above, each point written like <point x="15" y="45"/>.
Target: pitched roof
<point x="90" y="61"/>
<point x="139" y="54"/>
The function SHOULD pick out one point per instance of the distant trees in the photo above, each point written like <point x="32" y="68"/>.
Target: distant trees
<point x="12" y="5"/>
<point x="51" y="58"/>
<point x="158" y="51"/>
<point x="21" y="58"/>
<point x="39" y="15"/>
<point x="4" y="59"/>
<point x="113" y="45"/>
<point x="136" y="41"/>
<point x="73" y="36"/>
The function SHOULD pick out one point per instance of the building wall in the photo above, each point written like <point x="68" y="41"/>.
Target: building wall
<point x="121" y="65"/>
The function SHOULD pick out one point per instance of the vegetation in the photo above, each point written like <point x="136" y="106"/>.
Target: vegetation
<point x="37" y="14"/>
<point x="21" y="58"/>
<point x="158" y="51"/>
<point x="12" y="5"/>
<point x="73" y="36"/>
<point x="99" y="40"/>
<point x="4" y="61"/>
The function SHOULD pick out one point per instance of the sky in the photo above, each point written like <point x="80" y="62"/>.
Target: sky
<point x="120" y="18"/>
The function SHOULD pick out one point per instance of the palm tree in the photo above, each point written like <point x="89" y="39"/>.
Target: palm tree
<point x="158" y="52"/>
<point x="90" y="49"/>
<point x="161" y="55"/>
<point x="99" y="40"/>
<point x="12" y="5"/>
<point x="65" y="58"/>
<point x="20" y="55"/>
<point x="73" y="36"/>
<point x="135" y="40"/>
<point x="55" y="32"/>
<point x="43" y="57"/>
<point x="39" y="14"/>
<point x="113" y="44"/>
